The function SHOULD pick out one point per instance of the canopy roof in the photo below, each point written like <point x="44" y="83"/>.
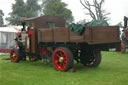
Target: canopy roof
<point x="10" y="29"/>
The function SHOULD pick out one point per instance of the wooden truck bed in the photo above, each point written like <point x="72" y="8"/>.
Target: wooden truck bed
<point x="90" y="35"/>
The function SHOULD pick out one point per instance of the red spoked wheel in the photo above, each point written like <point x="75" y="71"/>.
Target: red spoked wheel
<point x="14" y="55"/>
<point x="62" y="59"/>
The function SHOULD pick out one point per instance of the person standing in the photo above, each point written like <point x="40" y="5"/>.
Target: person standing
<point x="29" y="32"/>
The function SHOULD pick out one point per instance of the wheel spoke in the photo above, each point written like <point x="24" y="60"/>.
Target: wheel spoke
<point x="61" y="54"/>
<point x="57" y="55"/>
<point x="65" y="60"/>
<point x="64" y="63"/>
<point x="61" y="65"/>
<point x="56" y="61"/>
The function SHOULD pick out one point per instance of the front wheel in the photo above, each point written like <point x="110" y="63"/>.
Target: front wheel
<point x="62" y="59"/>
<point x="14" y="56"/>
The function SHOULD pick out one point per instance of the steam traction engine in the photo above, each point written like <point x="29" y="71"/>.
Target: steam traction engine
<point x="52" y="41"/>
<point x="124" y="36"/>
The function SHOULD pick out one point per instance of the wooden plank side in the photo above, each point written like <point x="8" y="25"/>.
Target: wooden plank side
<point x="75" y="38"/>
<point x="91" y="35"/>
<point x="61" y="35"/>
<point x="39" y="38"/>
<point x="33" y="39"/>
<point x="42" y="22"/>
<point x="46" y="35"/>
<point x="99" y="35"/>
<point x="87" y="35"/>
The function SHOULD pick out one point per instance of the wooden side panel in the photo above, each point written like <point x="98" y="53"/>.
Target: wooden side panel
<point x="33" y="39"/>
<point x="39" y="38"/>
<point x="46" y="35"/>
<point x="42" y="22"/>
<point x="61" y="35"/>
<point x="56" y="35"/>
<point x="91" y="35"/>
<point x="75" y="38"/>
<point x="99" y="35"/>
<point x="87" y="36"/>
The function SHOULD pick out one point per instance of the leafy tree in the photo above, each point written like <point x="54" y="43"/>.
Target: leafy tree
<point x="57" y="8"/>
<point x="1" y="18"/>
<point x="22" y="9"/>
<point x="32" y="8"/>
<point x="18" y="10"/>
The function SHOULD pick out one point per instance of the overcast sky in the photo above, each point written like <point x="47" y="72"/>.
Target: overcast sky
<point x="117" y="8"/>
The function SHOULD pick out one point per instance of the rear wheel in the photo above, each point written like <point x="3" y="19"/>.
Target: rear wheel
<point x="62" y="59"/>
<point x="92" y="60"/>
<point x="15" y="56"/>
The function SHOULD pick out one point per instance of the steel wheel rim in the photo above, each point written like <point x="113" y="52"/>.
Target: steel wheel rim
<point x="14" y="56"/>
<point x="91" y="61"/>
<point x="60" y="60"/>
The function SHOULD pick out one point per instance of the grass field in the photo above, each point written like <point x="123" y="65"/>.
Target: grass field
<point x="113" y="70"/>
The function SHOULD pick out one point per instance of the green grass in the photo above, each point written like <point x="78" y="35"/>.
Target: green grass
<point x="113" y="70"/>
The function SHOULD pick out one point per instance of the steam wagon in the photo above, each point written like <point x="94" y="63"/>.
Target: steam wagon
<point x="52" y="41"/>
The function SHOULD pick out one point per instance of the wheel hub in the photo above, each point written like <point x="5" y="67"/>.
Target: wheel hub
<point x="13" y="55"/>
<point x="61" y="59"/>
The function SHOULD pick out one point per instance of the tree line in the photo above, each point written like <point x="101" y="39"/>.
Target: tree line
<point x="36" y="8"/>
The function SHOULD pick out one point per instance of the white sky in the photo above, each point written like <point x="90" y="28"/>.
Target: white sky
<point x="117" y="8"/>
